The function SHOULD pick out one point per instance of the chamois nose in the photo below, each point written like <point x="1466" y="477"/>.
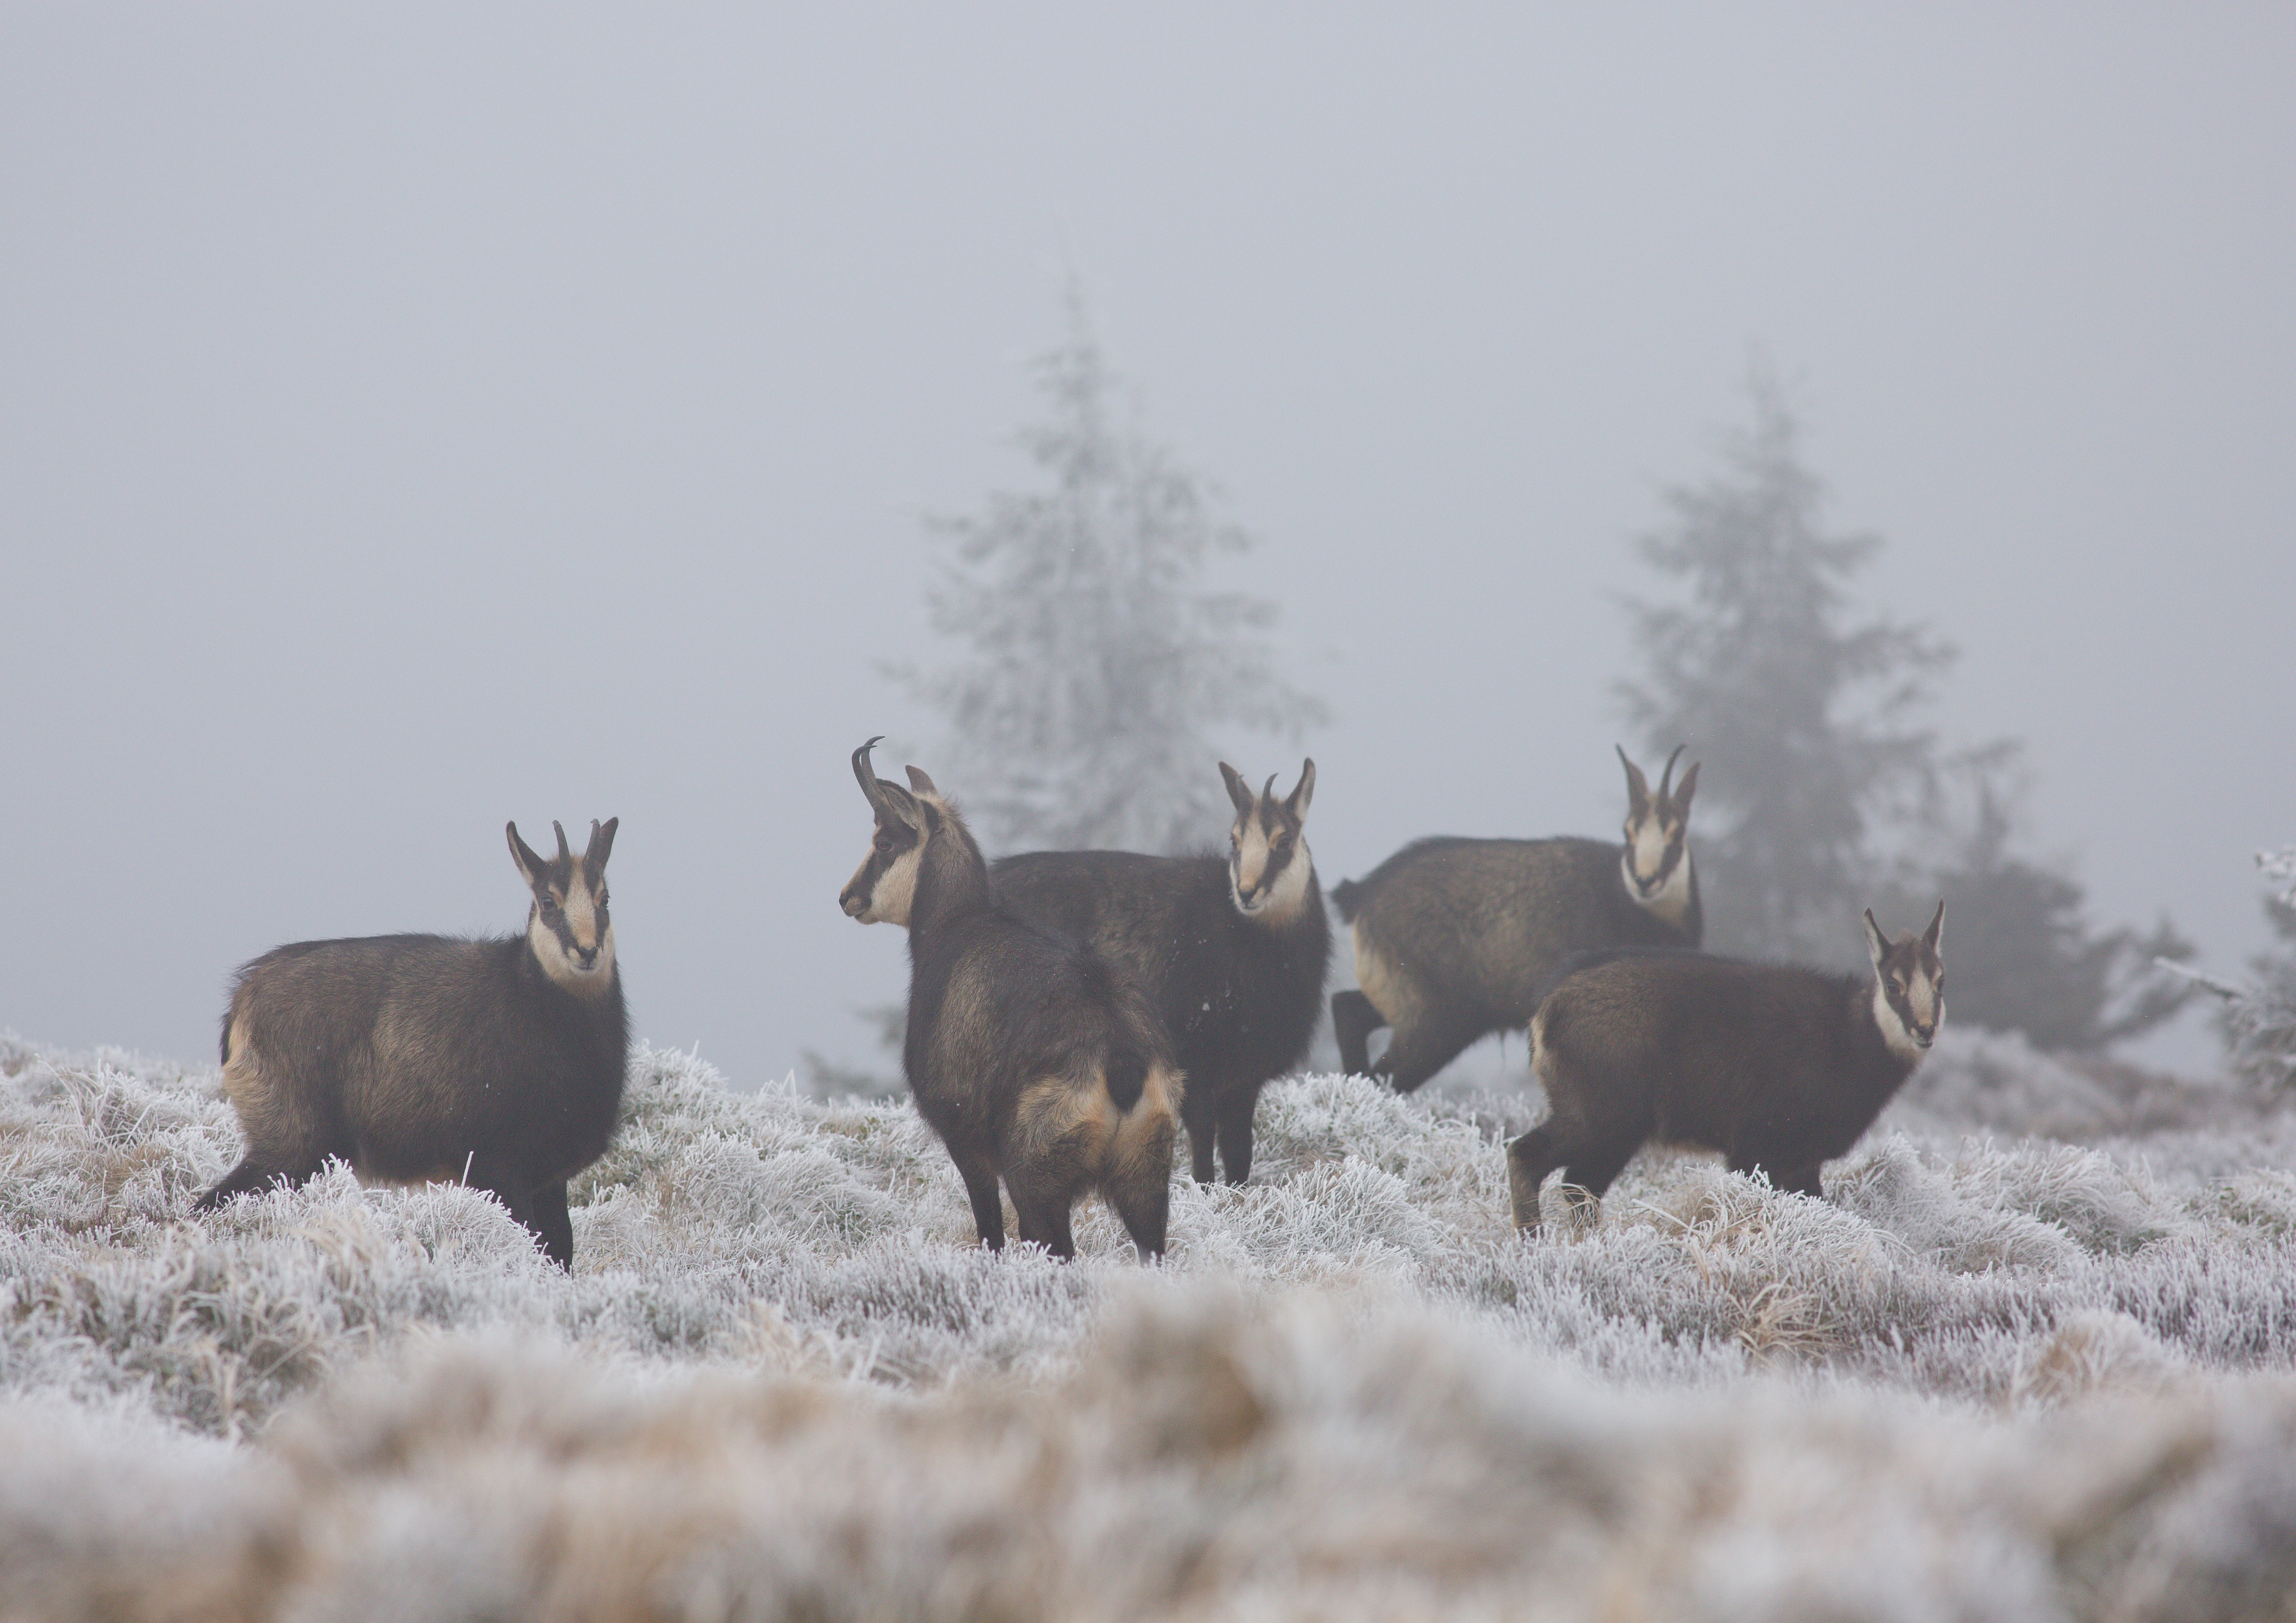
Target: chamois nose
<point x="588" y="955"/>
<point x="854" y="903"/>
<point x="1926" y="1035"/>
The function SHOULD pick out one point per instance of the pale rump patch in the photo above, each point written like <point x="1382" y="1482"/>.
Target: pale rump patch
<point x="1390" y="991"/>
<point x="1143" y="1134"/>
<point x="243" y="1080"/>
<point x="1079" y="1124"/>
<point x="1072" y="1120"/>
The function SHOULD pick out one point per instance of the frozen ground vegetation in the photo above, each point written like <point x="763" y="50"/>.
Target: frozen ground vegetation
<point x="2030" y="1359"/>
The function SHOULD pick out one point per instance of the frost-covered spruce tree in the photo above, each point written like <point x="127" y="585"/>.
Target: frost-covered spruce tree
<point x="2258" y="1020"/>
<point x="1799" y="712"/>
<point x="1102" y="676"/>
<point x="2026" y="956"/>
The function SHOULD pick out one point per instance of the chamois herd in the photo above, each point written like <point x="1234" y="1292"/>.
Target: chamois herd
<point x="1071" y="1013"/>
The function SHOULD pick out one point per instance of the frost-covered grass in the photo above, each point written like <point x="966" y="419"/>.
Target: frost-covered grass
<point x="2031" y="1358"/>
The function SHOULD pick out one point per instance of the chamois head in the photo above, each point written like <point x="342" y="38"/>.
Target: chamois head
<point x="1908" y="985"/>
<point x="884" y="886"/>
<point x="1268" y="863"/>
<point x="568" y="926"/>
<point x="1656" y="862"/>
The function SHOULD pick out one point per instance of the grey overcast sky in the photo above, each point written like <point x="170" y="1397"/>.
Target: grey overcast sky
<point x="416" y="416"/>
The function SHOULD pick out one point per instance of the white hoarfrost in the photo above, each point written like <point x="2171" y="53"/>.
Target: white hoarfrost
<point x="2030" y="1359"/>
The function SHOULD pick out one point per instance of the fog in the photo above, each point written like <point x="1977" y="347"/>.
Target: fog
<point x="413" y="418"/>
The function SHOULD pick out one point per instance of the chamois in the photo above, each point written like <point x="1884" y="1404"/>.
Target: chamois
<point x="1457" y="938"/>
<point x="498" y="1063"/>
<point x="1778" y="1068"/>
<point x="1232" y="951"/>
<point x="1030" y="1056"/>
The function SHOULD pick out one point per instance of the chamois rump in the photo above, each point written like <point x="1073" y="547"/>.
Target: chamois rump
<point x="1232" y="951"/>
<point x="1031" y="1057"/>
<point x="1456" y="938"/>
<point x="1779" y="1068"/>
<point x="498" y="1062"/>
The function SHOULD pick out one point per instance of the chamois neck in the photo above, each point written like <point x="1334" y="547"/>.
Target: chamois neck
<point x="1693" y="920"/>
<point x="952" y="877"/>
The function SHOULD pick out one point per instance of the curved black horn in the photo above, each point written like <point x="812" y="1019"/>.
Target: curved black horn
<point x="1268" y="793"/>
<point x="1666" y="782"/>
<point x="563" y="854"/>
<point x="867" y="775"/>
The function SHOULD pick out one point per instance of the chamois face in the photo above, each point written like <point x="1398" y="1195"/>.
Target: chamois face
<point x="1268" y="863"/>
<point x="885" y="885"/>
<point x="1656" y="861"/>
<point x="1908" y="985"/>
<point x="569" y="927"/>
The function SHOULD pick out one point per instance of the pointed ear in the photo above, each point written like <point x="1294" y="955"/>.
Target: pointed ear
<point x="1877" y="945"/>
<point x="1681" y="802"/>
<point x="1303" y="794"/>
<point x="530" y="866"/>
<point x="1637" y="785"/>
<point x="1238" y="790"/>
<point x="919" y="781"/>
<point x="900" y="806"/>
<point x="602" y="846"/>
<point x="1935" y="934"/>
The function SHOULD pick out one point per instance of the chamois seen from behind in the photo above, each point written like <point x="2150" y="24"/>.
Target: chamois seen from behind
<point x="1232" y="951"/>
<point x="494" y="1062"/>
<point x="1457" y="938"/>
<point x="1032" y="1057"/>
<point x="1779" y="1068"/>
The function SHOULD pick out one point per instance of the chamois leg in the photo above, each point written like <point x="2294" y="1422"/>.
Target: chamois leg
<point x="1425" y="1046"/>
<point x="1044" y="1221"/>
<point x="252" y="1175"/>
<point x="1530" y="1159"/>
<point x="1589" y="1171"/>
<point x="1236" y="1107"/>
<point x="1142" y="1197"/>
<point x="555" y="1224"/>
<point x="502" y="1180"/>
<point x="980" y="1175"/>
<point x="1354" y="1018"/>
<point x="1792" y="1180"/>
<point x="1199" y="1114"/>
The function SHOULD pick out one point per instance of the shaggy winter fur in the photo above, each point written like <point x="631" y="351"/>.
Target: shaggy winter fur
<point x="1985" y="1378"/>
<point x="1458" y="938"/>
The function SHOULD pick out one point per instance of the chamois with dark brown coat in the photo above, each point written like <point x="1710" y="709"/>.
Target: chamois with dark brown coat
<point x="1034" y="1059"/>
<point x="498" y="1063"/>
<point x="1457" y="938"/>
<point x="1779" y="1068"/>
<point x="1231" y="950"/>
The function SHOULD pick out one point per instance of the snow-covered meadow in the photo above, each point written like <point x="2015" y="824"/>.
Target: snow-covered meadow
<point x="2034" y="1357"/>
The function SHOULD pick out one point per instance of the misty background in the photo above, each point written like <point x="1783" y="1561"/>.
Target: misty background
<point x="415" y="418"/>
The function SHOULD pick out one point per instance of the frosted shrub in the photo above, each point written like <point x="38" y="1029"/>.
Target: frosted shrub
<point x="783" y="1378"/>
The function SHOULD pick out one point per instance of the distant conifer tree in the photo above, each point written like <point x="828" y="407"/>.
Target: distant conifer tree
<point x="2025" y="957"/>
<point x="1103" y="677"/>
<point x="1798" y="714"/>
